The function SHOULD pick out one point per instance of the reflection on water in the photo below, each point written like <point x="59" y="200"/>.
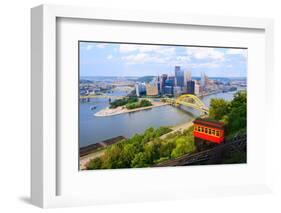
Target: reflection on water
<point x="95" y="129"/>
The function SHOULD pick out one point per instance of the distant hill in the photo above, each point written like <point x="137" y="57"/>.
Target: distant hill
<point x="85" y="81"/>
<point x="146" y="78"/>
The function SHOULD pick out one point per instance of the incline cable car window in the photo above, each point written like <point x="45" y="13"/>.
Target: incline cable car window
<point x="206" y="130"/>
<point x="209" y="131"/>
<point x="217" y="133"/>
<point x="213" y="132"/>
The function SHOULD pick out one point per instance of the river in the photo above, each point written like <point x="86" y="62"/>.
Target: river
<point x="94" y="129"/>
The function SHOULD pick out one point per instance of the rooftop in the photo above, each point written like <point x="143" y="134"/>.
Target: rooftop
<point x="209" y="122"/>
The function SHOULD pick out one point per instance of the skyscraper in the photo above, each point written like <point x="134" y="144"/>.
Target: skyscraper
<point x="179" y="75"/>
<point x="169" y="82"/>
<point x="162" y="81"/>
<point x="168" y="90"/>
<point x="140" y="89"/>
<point x="169" y="85"/>
<point x="187" y="77"/>
<point x="197" y="88"/>
<point x="202" y="80"/>
<point x="190" y="87"/>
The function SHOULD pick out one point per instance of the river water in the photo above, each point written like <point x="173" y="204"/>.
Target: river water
<point x="94" y="129"/>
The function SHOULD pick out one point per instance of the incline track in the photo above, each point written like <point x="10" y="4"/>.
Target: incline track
<point x="207" y="156"/>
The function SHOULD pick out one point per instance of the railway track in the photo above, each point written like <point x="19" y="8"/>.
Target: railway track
<point x="210" y="156"/>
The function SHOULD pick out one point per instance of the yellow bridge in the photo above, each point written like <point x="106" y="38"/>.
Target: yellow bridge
<point x="189" y="100"/>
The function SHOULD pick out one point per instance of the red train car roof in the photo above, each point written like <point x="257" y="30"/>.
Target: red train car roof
<point x="209" y="122"/>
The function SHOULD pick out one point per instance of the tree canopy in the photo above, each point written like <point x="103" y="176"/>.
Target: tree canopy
<point x="232" y="113"/>
<point x="143" y="150"/>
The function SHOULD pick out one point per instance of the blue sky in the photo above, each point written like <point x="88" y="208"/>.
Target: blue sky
<point x="113" y="59"/>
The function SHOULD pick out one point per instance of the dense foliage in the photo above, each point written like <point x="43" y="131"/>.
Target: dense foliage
<point x="130" y="103"/>
<point x="123" y="101"/>
<point x="142" y="103"/>
<point x="232" y="113"/>
<point x="143" y="150"/>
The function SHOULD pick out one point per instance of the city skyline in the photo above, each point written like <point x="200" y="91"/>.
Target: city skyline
<point x="125" y="60"/>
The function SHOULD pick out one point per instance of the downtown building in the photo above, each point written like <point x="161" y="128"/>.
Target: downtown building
<point x="152" y="88"/>
<point x="197" y="88"/>
<point x="140" y="89"/>
<point x="179" y="77"/>
<point x="169" y="86"/>
<point x="163" y="79"/>
<point x="190" y="87"/>
<point x="187" y="77"/>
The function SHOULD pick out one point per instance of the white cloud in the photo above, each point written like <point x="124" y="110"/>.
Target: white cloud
<point x="242" y="52"/>
<point x="142" y="58"/>
<point x="89" y="47"/>
<point x="205" y="53"/>
<point x="153" y="57"/>
<point x="109" y="57"/>
<point x="101" y="46"/>
<point x="151" y="54"/>
<point x="206" y="65"/>
<point x="128" y="48"/>
<point x="183" y="58"/>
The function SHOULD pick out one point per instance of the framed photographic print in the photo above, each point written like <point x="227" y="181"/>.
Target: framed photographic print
<point x="130" y="106"/>
<point x="165" y="105"/>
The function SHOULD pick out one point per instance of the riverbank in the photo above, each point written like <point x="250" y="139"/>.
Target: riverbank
<point x="96" y="150"/>
<point x="122" y="109"/>
<point x="179" y="127"/>
<point x="93" y="147"/>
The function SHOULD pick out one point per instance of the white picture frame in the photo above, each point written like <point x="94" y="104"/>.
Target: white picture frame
<point x="44" y="153"/>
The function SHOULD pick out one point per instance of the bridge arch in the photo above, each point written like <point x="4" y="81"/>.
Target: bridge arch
<point x="193" y="101"/>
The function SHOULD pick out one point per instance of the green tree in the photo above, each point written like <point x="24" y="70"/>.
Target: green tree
<point x="94" y="164"/>
<point x="240" y="98"/>
<point x="161" y="131"/>
<point x="218" y="108"/>
<point x="142" y="103"/>
<point x="110" y="160"/>
<point x="237" y="118"/>
<point x="233" y="113"/>
<point x="148" y="135"/>
<point x="166" y="148"/>
<point x="140" y="160"/>
<point x="183" y="145"/>
<point x="128" y="154"/>
<point x="152" y="150"/>
<point x="145" y="103"/>
<point x="123" y="101"/>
